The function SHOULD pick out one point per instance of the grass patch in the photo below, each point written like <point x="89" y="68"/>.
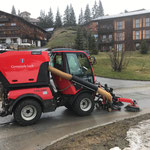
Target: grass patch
<point x="63" y="37"/>
<point x="137" y="69"/>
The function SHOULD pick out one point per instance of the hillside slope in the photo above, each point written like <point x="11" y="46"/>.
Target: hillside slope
<point x="63" y="37"/>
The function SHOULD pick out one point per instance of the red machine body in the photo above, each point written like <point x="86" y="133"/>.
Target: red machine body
<point x="22" y="67"/>
<point x="27" y="88"/>
<point x="44" y="93"/>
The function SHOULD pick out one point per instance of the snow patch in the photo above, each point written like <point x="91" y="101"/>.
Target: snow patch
<point x="138" y="137"/>
<point x="115" y="148"/>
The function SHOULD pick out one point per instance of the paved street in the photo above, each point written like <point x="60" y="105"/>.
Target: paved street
<point x="55" y="125"/>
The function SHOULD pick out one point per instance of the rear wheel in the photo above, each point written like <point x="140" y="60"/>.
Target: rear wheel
<point x="84" y="104"/>
<point x="27" y="112"/>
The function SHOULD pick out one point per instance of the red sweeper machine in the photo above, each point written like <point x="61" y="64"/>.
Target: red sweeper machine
<point x="35" y="82"/>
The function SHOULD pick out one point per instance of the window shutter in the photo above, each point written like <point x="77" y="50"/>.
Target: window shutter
<point x="140" y="22"/>
<point x="140" y="35"/>
<point x="143" y="34"/>
<point x="123" y="25"/>
<point x="123" y="36"/>
<point x="144" y="22"/>
<point x="133" y="23"/>
<point x="115" y="24"/>
<point x="133" y="35"/>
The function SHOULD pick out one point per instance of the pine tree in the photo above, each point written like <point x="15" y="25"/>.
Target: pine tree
<point x="79" y="41"/>
<point x="97" y="10"/>
<point x="94" y="10"/>
<point x="18" y="12"/>
<point x="42" y="19"/>
<point x="58" y="21"/>
<point x="72" y="16"/>
<point x="50" y="21"/>
<point x="100" y="10"/>
<point x="66" y="19"/>
<point x="87" y="14"/>
<point x="13" y="11"/>
<point x="81" y="18"/>
<point x="91" y="42"/>
<point x="69" y="16"/>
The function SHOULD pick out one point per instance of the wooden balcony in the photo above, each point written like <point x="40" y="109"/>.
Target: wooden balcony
<point x="105" y="41"/>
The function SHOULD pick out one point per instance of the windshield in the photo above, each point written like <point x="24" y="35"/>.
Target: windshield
<point x="79" y="65"/>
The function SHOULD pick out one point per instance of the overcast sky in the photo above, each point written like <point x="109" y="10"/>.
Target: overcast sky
<point x="111" y="7"/>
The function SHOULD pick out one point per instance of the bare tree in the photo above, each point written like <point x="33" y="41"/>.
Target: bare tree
<point x="118" y="60"/>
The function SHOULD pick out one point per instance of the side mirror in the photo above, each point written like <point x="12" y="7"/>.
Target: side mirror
<point x="93" y="60"/>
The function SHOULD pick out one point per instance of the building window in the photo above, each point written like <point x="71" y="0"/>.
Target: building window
<point x="147" y="34"/>
<point x="110" y="36"/>
<point x="2" y="24"/>
<point x="14" y="40"/>
<point x="104" y="37"/>
<point x="119" y="47"/>
<point x="110" y="47"/>
<point x="137" y="23"/>
<point x="2" y="41"/>
<point x="13" y="24"/>
<point x="119" y="36"/>
<point x="24" y="41"/>
<point x="96" y="36"/>
<point x="119" y="25"/>
<point x="137" y="45"/>
<point x="137" y="35"/>
<point x="147" y="22"/>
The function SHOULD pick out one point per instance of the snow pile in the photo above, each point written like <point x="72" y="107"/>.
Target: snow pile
<point x="115" y="148"/>
<point x="138" y="137"/>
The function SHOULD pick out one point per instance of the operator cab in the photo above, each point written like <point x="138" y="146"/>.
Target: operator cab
<point x="73" y="62"/>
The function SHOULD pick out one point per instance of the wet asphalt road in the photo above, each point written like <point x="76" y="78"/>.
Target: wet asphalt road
<point x="55" y="125"/>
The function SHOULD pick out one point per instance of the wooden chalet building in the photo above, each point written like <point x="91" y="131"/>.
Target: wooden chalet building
<point x="16" y="30"/>
<point x="124" y="31"/>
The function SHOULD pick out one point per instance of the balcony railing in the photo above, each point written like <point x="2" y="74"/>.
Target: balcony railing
<point x="107" y="40"/>
<point x="9" y="35"/>
<point x="106" y="30"/>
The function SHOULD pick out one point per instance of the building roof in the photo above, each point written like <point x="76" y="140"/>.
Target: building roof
<point x="25" y="13"/>
<point x="49" y="29"/>
<point x="22" y="19"/>
<point x="33" y="20"/>
<point x="121" y="15"/>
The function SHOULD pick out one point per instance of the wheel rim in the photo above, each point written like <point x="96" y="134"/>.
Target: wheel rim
<point x="85" y="104"/>
<point x="29" y="112"/>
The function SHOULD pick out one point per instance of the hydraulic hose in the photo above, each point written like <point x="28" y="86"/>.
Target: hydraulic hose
<point x="81" y="82"/>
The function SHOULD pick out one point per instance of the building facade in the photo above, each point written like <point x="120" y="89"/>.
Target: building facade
<point x="16" y="31"/>
<point x="125" y="31"/>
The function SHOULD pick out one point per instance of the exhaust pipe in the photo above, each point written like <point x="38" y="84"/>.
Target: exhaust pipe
<point x="81" y="82"/>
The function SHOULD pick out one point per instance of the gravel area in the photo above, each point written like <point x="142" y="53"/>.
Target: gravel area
<point x="100" y="138"/>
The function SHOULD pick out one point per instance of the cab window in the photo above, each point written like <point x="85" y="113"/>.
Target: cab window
<point x="58" y="61"/>
<point x="79" y="65"/>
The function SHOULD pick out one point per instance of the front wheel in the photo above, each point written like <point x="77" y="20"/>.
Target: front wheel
<point x="84" y="104"/>
<point x="27" y="112"/>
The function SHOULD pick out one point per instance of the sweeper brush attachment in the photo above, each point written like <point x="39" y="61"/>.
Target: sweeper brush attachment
<point x="117" y="102"/>
<point x="132" y="108"/>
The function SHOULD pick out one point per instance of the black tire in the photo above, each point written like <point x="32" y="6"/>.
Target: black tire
<point x="84" y="104"/>
<point x="27" y="112"/>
